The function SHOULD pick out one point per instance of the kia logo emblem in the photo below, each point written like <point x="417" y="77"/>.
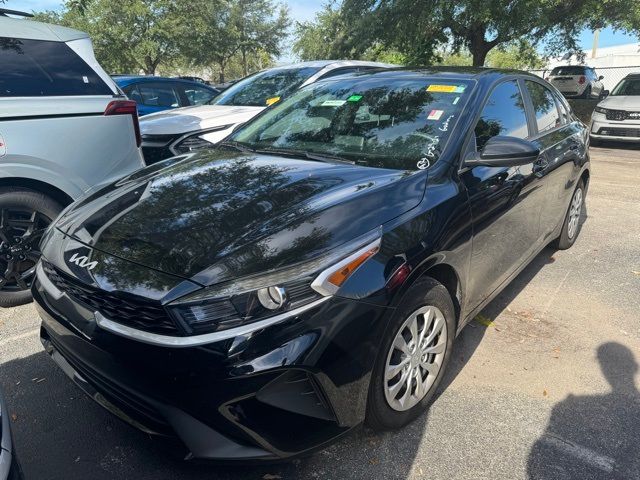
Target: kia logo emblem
<point x="82" y="261"/>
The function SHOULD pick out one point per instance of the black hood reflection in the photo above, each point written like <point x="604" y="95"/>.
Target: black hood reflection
<point x="224" y="214"/>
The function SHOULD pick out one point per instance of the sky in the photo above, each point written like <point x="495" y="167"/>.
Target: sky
<point x="302" y="10"/>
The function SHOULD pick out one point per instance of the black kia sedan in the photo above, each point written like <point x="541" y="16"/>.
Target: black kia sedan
<point x="311" y="273"/>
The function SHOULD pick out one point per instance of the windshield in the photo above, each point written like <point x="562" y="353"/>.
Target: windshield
<point x="264" y="88"/>
<point x="568" y="71"/>
<point x="628" y="86"/>
<point x="375" y="121"/>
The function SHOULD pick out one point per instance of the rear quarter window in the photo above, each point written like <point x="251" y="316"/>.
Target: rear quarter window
<point x="38" y="68"/>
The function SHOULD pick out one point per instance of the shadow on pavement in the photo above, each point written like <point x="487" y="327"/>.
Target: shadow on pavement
<point x="594" y="436"/>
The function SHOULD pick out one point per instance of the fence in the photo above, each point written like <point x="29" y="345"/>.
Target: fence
<point x="612" y="75"/>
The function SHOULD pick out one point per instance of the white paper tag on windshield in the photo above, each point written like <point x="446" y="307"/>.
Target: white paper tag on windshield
<point x="435" y="115"/>
<point x="333" y="103"/>
<point x="85" y="79"/>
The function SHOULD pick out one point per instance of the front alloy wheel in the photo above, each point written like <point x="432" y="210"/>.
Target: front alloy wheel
<point x="415" y="358"/>
<point x="413" y="355"/>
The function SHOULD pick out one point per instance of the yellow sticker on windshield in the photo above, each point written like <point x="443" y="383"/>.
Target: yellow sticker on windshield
<point x="441" y="88"/>
<point x="446" y="88"/>
<point x="272" y="100"/>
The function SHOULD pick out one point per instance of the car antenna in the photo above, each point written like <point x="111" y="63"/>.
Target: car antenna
<point x="5" y="12"/>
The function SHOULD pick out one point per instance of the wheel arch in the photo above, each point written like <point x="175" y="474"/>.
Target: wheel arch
<point x="39" y="186"/>
<point x="444" y="273"/>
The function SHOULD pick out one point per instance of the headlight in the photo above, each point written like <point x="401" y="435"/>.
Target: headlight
<point x="601" y="110"/>
<point x="284" y="291"/>
<point x="194" y="141"/>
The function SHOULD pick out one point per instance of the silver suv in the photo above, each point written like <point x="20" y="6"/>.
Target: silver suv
<point x="64" y="128"/>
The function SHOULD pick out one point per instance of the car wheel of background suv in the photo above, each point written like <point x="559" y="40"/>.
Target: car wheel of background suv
<point x="24" y="216"/>
<point x="413" y="356"/>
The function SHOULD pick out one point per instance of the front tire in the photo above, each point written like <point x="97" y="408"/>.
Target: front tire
<point x="24" y="216"/>
<point x="571" y="227"/>
<point x="413" y="356"/>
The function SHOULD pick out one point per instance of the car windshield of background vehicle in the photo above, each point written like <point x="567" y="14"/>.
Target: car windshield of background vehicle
<point x="265" y="88"/>
<point x="369" y="120"/>
<point x="38" y="68"/>
<point x="628" y="86"/>
<point x="568" y="71"/>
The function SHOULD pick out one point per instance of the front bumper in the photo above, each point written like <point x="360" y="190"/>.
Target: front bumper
<point x="275" y="393"/>
<point x="603" y="129"/>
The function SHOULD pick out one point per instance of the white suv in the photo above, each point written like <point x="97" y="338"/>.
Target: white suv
<point x="64" y="128"/>
<point x="577" y="81"/>
<point x="617" y="117"/>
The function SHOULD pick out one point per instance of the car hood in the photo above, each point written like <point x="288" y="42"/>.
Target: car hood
<point x="621" y="102"/>
<point x="190" y="119"/>
<point x="219" y="215"/>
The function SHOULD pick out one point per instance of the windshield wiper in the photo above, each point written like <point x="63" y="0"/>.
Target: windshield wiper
<point x="309" y="155"/>
<point x="328" y="158"/>
<point x="237" y="146"/>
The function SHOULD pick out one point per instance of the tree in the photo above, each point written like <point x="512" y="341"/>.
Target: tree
<point x="420" y="28"/>
<point x="132" y="35"/>
<point x="259" y="28"/>
<point x="244" y="28"/>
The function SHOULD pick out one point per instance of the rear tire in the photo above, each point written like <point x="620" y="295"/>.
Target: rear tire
<point x="24" y="215"/>
<point x="572" y="226"/>
<point x="420" y="365"/>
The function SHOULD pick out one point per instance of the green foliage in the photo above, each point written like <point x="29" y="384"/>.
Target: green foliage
<point x="179" y="35"/>
<point x="419" y="30"/>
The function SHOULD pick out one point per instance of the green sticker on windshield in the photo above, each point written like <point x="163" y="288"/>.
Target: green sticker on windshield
<point x="354" y="98"/>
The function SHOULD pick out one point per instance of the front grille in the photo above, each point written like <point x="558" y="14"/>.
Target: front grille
<point x="155" y="154"/>
<point x="619" y="132"/>
<point x="130" y="310"/>
<point x="621" y="115"/>
<point x="134" y="406"/>
<point x="156" y="147"/>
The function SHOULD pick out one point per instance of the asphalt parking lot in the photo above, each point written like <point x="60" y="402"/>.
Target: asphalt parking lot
<point x="544" y="384"/>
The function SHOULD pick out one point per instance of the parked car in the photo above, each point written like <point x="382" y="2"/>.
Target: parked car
<point x="9" y="467"/>
<point x="577" y="81"/>
<point x="617" y="117"/>
<point x="194" y="79"/>
<point x="187" y="129"/>
<point x="64" y="128"/>
<point x="157" y="94"/>
<point x="262" y="298"/>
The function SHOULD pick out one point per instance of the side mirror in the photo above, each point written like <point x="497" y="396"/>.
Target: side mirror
<point x="601" y="77"/>
<point x="605" y="93"/>
<point x="504" y="152"/>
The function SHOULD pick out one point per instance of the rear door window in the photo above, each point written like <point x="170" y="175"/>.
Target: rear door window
<point x="544" y="106"/>
<point x="158" y="95"/>
<point x="503" y="114"/>
<point x="197" y="95"/>
<point x="38" y="68"/>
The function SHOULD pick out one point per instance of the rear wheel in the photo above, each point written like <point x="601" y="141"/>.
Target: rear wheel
<point x="24" y="216"/>
<point x="571" y="227"/>
<point x="413" y="356"/>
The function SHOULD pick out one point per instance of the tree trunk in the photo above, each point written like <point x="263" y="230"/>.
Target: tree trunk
<point x="244" y="63"/>
<point x="222" y="67"/>
<point x="479" y="55"/>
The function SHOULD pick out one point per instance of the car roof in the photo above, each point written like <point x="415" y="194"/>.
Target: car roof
<point x="446" y="72"/>
<point x="333" y="64"/>
<point x="124" y="80"/>
<point x="31" y="30"/>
